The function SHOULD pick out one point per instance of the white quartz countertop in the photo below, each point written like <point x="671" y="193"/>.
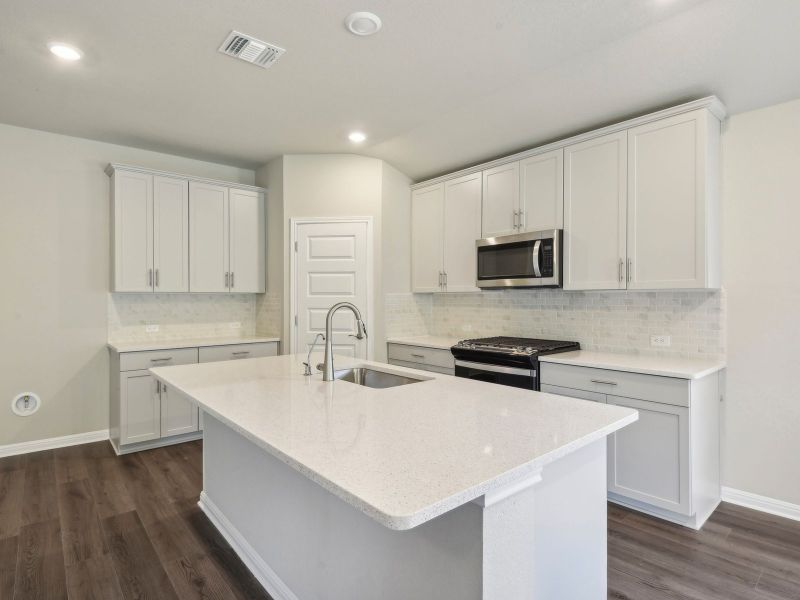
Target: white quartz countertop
<point x="401" y="455"/>
<point x="426" y="341"/>
<point x="681" y="368"/>
<point x="144" y="345"/>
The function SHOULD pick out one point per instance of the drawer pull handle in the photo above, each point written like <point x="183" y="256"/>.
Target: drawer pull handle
<point x="604" y="382"/>
<point x="244" y="353"/>
<point x="161" y="359"/>
<point x="417" y="355"/>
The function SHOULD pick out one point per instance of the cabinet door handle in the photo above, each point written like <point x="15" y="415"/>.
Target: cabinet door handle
<point x="150" y="277"/>
<point x="227" y="279"/>
<point x="161" y="359"/>
<point x="157" y="278"/>
<point x="440" y="279"/>
<point x="516" y="219"/>
<point x="630" y="270"/>
<point x="243" y="353"/>
<point x="620" y="270"/>
<point x="522" y="219"/>
<point x="603" y="382"/>
<point x="232" y="274"/>
<point x="417" y="355"/>
<point x="158" y="387"/>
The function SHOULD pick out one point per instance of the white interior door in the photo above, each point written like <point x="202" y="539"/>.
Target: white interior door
<point x="171" y="234"/>
<point x="331" y="266"/>
<point x="208" y="239"/>
<point x="248" y="242"/>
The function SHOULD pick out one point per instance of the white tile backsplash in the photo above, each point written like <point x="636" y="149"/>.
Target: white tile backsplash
<point x="268" y="314"/>
<point x="180" y="316"/>
<point x="617" y="321"/>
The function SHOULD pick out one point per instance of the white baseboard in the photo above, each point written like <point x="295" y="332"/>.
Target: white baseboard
<point x="261" y="570"/>
<point x="51" y="443"/>
<point x="761" y="503"/>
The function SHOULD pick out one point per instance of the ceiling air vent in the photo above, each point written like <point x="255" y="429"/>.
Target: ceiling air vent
<point x="256" y="52"/>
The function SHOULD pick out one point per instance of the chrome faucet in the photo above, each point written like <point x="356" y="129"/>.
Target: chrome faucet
<point x="307" y="364"/>
<point x="327" y="366"/>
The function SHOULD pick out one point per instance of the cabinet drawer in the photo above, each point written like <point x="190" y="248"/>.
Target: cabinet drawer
<point x="426" y="356"/>
<point x="653" y="388"/>
<point x="422" y="367"/>
<point x="580" y="394"/>
<point x="133" y="361"/>
<point x="236" y="351"/>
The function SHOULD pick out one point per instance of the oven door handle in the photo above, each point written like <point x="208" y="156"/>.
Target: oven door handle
<point x="496" y="368"/>
<point x="537" y="267"/>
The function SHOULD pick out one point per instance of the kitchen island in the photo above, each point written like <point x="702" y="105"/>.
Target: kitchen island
<point x="443" y="488"/>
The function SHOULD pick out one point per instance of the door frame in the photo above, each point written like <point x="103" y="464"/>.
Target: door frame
<point x="295" y="222"/>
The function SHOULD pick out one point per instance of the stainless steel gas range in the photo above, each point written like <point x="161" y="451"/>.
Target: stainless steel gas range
<point x="506" y="360"/>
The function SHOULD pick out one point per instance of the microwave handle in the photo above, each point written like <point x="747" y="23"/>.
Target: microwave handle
<point x="537" y="267"/>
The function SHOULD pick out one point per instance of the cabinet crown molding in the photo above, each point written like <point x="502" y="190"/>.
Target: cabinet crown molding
<point x="109" y="170"/>
<point x="711" y="103"/>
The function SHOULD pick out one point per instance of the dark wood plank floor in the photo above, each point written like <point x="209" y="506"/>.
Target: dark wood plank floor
<point x="81" y="523"/>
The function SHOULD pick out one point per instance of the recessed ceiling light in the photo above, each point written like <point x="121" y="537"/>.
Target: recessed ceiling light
<point x="65" y="51"/>
<point x="363" y="23"/>
<point x="357" y="137"/>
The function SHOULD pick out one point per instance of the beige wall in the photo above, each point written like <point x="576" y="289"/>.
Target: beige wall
<point x="54" y="260"/>
<point x="343" y="185"/>
<point x="761" y="212"/>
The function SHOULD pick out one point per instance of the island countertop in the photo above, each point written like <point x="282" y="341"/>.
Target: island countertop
<point x="401" y="455"/>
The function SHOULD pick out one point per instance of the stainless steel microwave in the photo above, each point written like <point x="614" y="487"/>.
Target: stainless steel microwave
<point x="522" y="260"/>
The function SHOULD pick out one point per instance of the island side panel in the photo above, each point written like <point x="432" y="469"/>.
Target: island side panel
<point x="320" y="547"/>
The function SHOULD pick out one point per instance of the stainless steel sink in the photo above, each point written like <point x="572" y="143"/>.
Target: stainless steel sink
<point x="372" y="378"/>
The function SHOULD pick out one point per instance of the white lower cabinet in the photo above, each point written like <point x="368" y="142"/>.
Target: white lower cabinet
<point x="436" y="360"/>
<point x="178" y="414"/>
<point x="666" y="463"/>
<point x="145" y="413"/>
<point x="649" y="460"/>
<point x="140" y="408"/>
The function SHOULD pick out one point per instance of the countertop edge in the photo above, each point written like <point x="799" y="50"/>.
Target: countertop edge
<point x="146" y="346"/>
<point x="420" y="343"/>
<point x="613" y="366"/>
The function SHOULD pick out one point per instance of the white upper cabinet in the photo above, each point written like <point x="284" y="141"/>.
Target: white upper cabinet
<point x="672" y="203"/>
<point x="595" y="203"/>
<point x="170" y="234"/>
<point x="541" y="199"/>
<point x="501" y="200"/>
<point x="462" y="226"/>
<point x="248" y="268"/>
<point x="176" y="234"/>
<point x="427" y="246"/>
<point x="132" y="206"/>
<point x="209" y="254"/>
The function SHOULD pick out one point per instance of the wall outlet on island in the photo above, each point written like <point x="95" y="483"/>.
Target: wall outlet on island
<point x="662" y="341"/>
<point x="151" y="328"/>
<point x="235" y="325"/>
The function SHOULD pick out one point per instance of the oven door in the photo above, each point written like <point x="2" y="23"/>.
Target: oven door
<point x="511" y="376"/>
<point x="521" y="260"/>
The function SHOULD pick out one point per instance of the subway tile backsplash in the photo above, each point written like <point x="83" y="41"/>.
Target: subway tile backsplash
<point x="180" y="316"/>
<point x="618" y="321"/>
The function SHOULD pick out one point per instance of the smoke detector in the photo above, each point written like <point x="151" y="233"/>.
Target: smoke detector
<point x="247" y="48"/>
<point x="363" y="23"/>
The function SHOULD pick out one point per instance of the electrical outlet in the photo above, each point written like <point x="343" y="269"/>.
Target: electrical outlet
<point x="235" y="325"/>
<point x="151" y="328"/>
<point x="660" y="340"/>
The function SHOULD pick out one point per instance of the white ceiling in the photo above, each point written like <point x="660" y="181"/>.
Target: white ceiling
<point x="445" y="84"/>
